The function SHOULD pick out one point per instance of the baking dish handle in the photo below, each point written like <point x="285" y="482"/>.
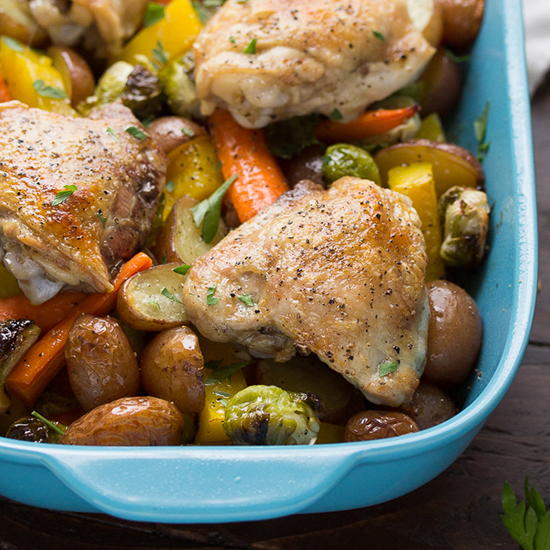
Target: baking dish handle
<point x="204" y="485"/>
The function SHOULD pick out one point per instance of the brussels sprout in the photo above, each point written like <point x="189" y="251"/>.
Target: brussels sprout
<point x="268" y="415"/>
<point x="464" y="214"/>
<point x="137" y="87"/>
<point x="348" y="160"/>
<point x="179" y="88"/>
<point x="36" y="428"/>
<point x="16" y="337"/>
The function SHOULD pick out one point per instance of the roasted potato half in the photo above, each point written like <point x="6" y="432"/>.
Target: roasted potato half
<point x="133" y="421"/>
<point x="151" y="300"/>
<point x="180" y="239"/>
<point x="452" y="165"/>
<point x="369" y="425"/>
<point x="430" y="406"/>
<point x="461" y="21"/>
<point x="172" y="131"/>
<point x="101" y="363"/>
<point x="171" y="368"/>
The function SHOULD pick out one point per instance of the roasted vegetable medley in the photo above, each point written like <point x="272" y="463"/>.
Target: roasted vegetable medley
<point x="214" y="234"/>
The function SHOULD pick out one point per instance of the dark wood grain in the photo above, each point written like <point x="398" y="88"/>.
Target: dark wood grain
<point x="457" y="511"/>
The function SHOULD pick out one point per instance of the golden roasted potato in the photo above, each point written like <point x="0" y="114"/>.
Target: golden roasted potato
<point x="429" y="406"/>
<point x="17" y="22"/>
<point x="171" y="368"/>
<point x="452" y="165"/>
<point x="369" y="425"/>
<point x="180" y="239"/>
<point x="76" y="73"/>
<point x="172" y="131"/>
<point x="101" y="363"/>
<point x="151" y="299"/>
<point x="461" y="21"/>
<point x="134" y="421"/>
<point x="338" y="399"/>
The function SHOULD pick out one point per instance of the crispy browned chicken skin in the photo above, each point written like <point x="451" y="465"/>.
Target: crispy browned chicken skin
<point x="339" y="273"/>
<point x="117" y="179"/>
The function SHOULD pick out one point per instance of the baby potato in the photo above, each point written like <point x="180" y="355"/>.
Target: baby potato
<point x="101" y="363"/>
<point x="430" y="406"/>
<point x="172" y="131"/>
<point x="307" y="165"/>
<point x="171" y="368"/>
<point x="461" y="21"/>
<point x="134" y="421"/>
<point x="151" y="299"/>
<point x="454" y="334"/>
<point x="369" y="425"/>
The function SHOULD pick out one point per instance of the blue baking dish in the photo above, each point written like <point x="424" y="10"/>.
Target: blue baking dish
<point x="220" y="484"/>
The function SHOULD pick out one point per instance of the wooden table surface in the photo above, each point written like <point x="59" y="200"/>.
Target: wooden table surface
<point x="460" y="510"/>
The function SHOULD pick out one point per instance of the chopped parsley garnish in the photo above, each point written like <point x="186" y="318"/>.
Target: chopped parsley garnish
<point x="182" y="269"/>
<point x="62" y="196"/>
<point x="51" y="425"/>
<point x="232" y="40"/>
<point x="153" y="14"/>
<point x="154" y="305"/>
<point x="223" y="372"/>
<point x="48" y="91"/>
<point x="220" y="393"/>
<point x="147" y="121"/>
<point x="187" y="131"/>
<point x="251" y="48"/>
<point x="13" y="44"/>
<point x="167" y="294"/>
<point x="379" y="35"/>
<point x="480" y="130"/>
<point x="336" y="115"/>
<point x="456" y="58"/>
<point x="159" y="54"/>
<point x="110" y="131"/>
<point x="287" y="138"/>
<point x="387" y="367"/>
<point x="208" y="211"/>
<point x="211" y="300"/>
<point x="101" y="218"/>
<point x="170" y="186"/>
<point x="134" y="131"/>
<point x="247" y="300"/>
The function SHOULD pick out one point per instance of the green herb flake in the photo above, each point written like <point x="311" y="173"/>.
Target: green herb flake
<point x="480" y="131"/>
<point x="225" y="372"/>
<point x="336" y="115"/>
<point x="170" y="185"/>
<point x="213" y="3"/>
<point x="247" y="300"/>
<point x="48" y="91"/>
<point x="167" y="294"/>
<point x="223" y="394"/>
<point x="186" y="131"/>
<point x="153" y="14"/>
<point x="211" y="300"/>
<point x="251" y="48"/>
<point x="154" y="305"/>
<point x="379" y="35"/>
<point x="62" y="196"/>
<point x="147" y="121"/>
<point x="456" y="58"/>
<point x="232" y="40"/>
<point x="208" y="211"/>
<point x="182" y="269"/>
<point x="387" y="367"/>
<point x="134" y="131"/>
<point x="13" y="44"/>
<point x="101" y="218"/>
<point x="159" y="54"/>
<point x="110" y="131"/>
<point x="55" y="426"/>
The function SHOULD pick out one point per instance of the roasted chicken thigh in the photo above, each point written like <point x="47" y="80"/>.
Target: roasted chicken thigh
<point x="272" y="59"/>
<point x="77" y="196"/>
<point x="339" y="273"/>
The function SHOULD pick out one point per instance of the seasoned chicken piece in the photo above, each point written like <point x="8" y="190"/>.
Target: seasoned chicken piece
<point x="305" y="56"/>
<point x="52" y="234"/>
<point x="102" y="25"/>
<point x="339" y="273"/>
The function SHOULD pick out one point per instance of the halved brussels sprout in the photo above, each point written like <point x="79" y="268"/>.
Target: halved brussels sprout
<point x="268" y="415"/>
<point x="179" y="88"/>
<point x="349" y="160"/>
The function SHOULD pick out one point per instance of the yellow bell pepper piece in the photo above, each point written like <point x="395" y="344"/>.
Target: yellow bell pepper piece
<point x="32" y="79"/>
<point x="193" y="169"/>
<point x="416" y="181"/>
<point x="330" y="433"/>
<point x="212" y="416"/>
<point x="173" y="35"/>
<point x="431" y="128"/>
<point x="8" y="284"/>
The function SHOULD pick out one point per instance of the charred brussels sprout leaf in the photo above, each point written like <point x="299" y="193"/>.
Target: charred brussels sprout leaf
<point x="268" y="415"/>
<point x="349" y="160"/>
<point x="465" y="217"/>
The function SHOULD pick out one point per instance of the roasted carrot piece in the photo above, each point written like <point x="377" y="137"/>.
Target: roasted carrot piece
<point x="371" y="123"/>
<point x="244" y="153"/>
<point x="4" y="92"/>
<point x="45" y="315"/>
<point x="45" y="358"/>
